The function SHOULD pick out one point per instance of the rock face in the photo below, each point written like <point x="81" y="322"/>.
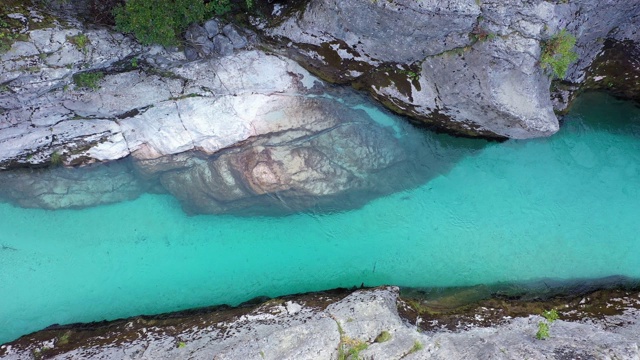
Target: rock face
<point x="470" y="68"/>
<point x="365" y="324"/>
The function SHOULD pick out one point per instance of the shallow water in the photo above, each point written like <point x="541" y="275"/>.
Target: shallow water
<point x="563" y="207"/>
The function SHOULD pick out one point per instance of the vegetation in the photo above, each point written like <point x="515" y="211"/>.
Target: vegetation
<point x="543" y="326"/>
<point x="558" y="54"/>
<point x="162" y="21"/>
<point x="350" y="348"/>
<point x="88" y="80"/>
<point x="8" y="35"/>
<point x="383" y="337"/>
<point x="481" y="34"/>
<point x="80" y="41"/>
<point x="417" y="346"/>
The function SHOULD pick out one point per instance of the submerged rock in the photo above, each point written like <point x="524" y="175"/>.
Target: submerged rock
<point x="71" y="188"/>
<point x="323" y="155"/>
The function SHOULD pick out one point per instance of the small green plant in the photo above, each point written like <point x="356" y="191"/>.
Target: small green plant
<point x="557" y="53"/>
<point x="543" y="330"/>
<point x="481" y="34"/>
<point x="88" y="80"/>
<point x="415" y="76"/>
<point x="383" y="337"/>
<point x="544" y="326"/>
<point x="417" y="346"/>
<point x="80" y="41"/>
<point x="134" y="63"/>
<point x="350" y="348"/>
<point x="181" y="344"/>
<point x="551" y="315"/>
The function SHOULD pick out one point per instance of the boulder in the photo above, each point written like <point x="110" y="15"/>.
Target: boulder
<point x="237" y="40"/>
<point x="223" y="45"/>
<point x="212" y="27"/>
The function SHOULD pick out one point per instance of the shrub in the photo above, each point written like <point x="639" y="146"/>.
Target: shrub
<point x="158" y="21"/>
<point x="558" y="54"/>
<point x="162" y="21"/>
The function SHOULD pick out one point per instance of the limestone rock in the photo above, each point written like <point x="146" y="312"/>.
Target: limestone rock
<point x="467" y="68"/>
<point x="316" y="326"/>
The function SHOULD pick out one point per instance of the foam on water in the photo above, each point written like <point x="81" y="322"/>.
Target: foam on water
<point x="563" y="207"/>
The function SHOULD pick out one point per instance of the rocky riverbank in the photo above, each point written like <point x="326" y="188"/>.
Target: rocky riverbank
<point x="365" y="324"/>
<point x="471" y="68"/>
<point x="227" y="126"/>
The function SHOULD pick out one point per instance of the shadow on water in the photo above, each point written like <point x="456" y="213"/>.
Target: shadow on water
<point x="613" y="115"/>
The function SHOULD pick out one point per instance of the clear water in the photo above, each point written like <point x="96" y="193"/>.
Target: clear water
<point x="563" y="207"/>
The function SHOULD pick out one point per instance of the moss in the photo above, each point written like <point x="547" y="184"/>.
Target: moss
<point x="88" y="80"/>
<point x="12" y="30"/>
<point x="80" y="41"/>
<point x="383" y="337"/>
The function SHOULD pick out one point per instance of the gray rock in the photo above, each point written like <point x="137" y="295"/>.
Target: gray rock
<point x="314" y="327"/>
<point x="223" y="45"/>
<point x="190" y="53"/>
<point x="196" y="34"/>
<point x="469" y="68"/>
<point x="212" y="28"/>
<point x="237" y="40"/>
<point x="207" y="48"/>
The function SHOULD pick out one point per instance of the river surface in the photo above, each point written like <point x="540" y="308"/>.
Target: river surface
<point x="563" y="207"/>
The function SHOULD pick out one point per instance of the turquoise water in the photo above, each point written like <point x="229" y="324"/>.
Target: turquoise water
<point x="563" y="207"/>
